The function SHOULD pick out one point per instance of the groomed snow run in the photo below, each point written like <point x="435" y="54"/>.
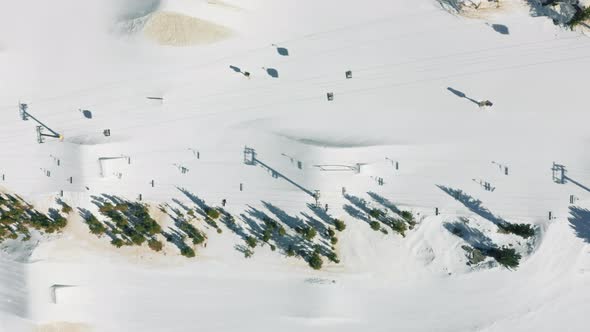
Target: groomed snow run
<point x="181" y="117"/>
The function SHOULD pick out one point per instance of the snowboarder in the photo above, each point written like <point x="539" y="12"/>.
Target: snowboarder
<point x="223" y="201"/>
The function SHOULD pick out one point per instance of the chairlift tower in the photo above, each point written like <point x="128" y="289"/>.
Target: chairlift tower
<point x="40" y="129"/>
<point x="558" y="172"/>
<point x="393" y="162"/>
<point x="195" y="153"/>
<point x="249" y="156"/>
<point x="316" y="196"/>
<point x="501" y="166"/>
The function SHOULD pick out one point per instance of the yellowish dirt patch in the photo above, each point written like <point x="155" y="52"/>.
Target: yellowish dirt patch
<point x="486" y="9"/>
<point x="174" y="29"/>
<point x="62" y="327"/>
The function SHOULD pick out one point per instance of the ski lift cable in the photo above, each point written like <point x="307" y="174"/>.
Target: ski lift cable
<point x="322" y="83"/>
<point x="183" y="70"/>
<point x="356" y="91"/>
<point x="513" y="208"/>
<point x="437" y="29"/>
<point x="257" y="88"/>
<point x="126" y="183"/>
<point x="423" y="204"/>
<point x="508" y="212"/>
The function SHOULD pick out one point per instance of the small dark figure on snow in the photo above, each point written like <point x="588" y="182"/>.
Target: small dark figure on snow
<point x="485" y="103"/>
<point x="223" y="201"/>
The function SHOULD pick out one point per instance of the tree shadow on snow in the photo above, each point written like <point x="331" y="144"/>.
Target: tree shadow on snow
<point x="580" y="222"/>
<point x="474" y="205"/>
<point x="385" y="202"/>
<point x="356" y="213"/>
<point x="257" y="222"/>
<point x="322" y="214"/>
<point x="473" y="236"/>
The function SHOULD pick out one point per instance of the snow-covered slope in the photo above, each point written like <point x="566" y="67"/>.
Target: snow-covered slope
<point x="404" y="133"/>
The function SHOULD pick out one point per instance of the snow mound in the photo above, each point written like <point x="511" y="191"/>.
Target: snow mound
<point x="223" y="4"/>
<point x="133" y="9"/>
<point x="334" y="142"/>
<point x="174" y="29"/>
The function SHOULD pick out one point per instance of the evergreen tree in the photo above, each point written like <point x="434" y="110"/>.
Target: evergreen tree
<point x="315" y="261"/>
<point x="117" y="243"/>
<point x="375" y="225"/>
<point x="339" y="224"/>
<point x="155" y="245"/>
<point x="251" y="241"/>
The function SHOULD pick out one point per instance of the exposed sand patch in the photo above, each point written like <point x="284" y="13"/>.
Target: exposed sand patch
<point x="77" y="235"/>
<point x="485" y="9"/>
<point x="62" y="327"/>
<point x="477" y="8"/>
<point x="174" y="29"/>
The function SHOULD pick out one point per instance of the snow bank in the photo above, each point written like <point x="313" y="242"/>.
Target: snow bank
<point x="14" y="294"/>
<point x="174" y="29"/>
<point x="132" y="9"/>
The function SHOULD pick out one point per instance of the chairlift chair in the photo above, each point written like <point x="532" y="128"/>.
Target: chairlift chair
<point x="40" y="138"/>
<point x="22" y="109"/>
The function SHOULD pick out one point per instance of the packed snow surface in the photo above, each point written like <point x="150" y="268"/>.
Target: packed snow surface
<point x="403" y="133"/>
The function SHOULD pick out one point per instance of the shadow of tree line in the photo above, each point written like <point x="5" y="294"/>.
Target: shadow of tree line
<point x="19" y="218"/>
<point x="379" y="219"/>
<point x="505" y="256"/>
<point x="309" y="235"/>
<point x="480" y="245"/>
<point x="129" y="223"/>
<point x="363" y="210"/>
<point x="580" y="222"/>
<point x="475" y="206"/>
<point x="305" y="236"/>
